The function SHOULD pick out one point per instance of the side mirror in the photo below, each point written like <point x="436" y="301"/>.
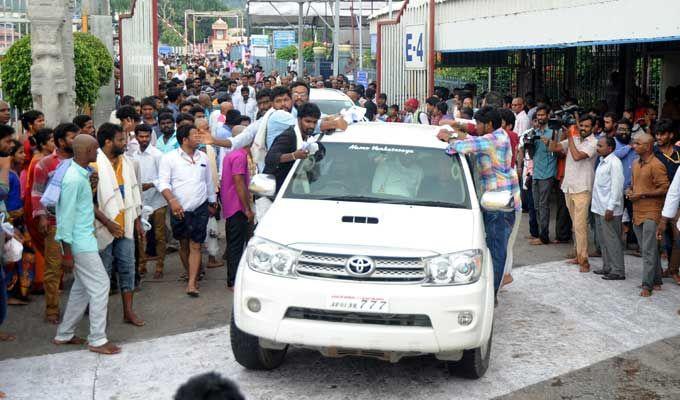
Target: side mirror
<point x="263" y="185"/>
<point x="498" y="201"/>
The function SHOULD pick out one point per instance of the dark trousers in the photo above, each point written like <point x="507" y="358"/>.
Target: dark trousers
<point x="529" y="201"/>
<point x="541" y="191"/>
<point x="562" y="219"/>
<point x="237" y="236"/>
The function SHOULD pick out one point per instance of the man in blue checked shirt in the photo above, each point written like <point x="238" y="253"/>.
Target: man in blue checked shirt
<point x="494" y="162"/>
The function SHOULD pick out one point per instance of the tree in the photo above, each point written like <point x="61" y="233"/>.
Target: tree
<point x="93" y="65"/>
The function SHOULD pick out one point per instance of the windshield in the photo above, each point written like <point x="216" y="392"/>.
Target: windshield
<point x="330" y="107"/>
<point x="375" y="173"/>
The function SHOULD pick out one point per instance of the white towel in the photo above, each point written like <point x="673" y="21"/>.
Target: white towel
<point x="259" y="147"/>
<point x="110" y="200"/>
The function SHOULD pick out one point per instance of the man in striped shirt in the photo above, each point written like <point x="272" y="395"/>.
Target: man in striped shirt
<point x="493" y="160"/>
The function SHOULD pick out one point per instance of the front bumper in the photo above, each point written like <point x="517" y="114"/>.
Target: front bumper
<point x="441" y="304"/>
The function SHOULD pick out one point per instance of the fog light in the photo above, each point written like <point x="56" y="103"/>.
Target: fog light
<point x="255" y="306"/>
<point x="465" y="318"/>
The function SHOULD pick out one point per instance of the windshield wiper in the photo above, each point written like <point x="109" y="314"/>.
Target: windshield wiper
<point x="363" y="199"/>
<point x="433" y="203"/>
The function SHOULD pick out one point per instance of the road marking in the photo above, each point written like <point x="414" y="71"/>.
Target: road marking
<point x="552" y="320"/>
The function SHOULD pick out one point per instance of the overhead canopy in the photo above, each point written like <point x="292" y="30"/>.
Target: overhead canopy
<point x="285" y="12"/>
<point x="573" y="23"/>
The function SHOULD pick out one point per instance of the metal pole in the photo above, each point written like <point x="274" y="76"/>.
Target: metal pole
<point x="336" y="38"/>
<point x="186" y="34"/>
<point x="389" y="7"/>
<point x="361" y="40"/>
<point x="193" y="19"/>
<point x="301" y="25"/>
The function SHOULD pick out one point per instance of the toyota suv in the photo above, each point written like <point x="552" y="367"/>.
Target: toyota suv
<point x="374" y="248"/>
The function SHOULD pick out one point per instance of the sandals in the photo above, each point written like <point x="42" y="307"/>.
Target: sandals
<point x="75" y="340"/>
<point x="7" y="337"/>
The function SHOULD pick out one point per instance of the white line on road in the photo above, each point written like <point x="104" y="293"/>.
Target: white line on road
<point x="552" y="320"/>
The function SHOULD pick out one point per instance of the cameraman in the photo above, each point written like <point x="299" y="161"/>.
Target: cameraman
<point x="545" y="166"/>
<point x="580" y="149"/>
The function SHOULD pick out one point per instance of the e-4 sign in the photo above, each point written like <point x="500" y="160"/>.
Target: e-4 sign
<point x="414" y="47"/>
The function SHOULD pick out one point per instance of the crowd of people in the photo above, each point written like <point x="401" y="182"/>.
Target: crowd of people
<point x="107" y="202"/>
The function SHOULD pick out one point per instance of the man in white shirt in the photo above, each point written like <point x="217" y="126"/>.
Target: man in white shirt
<point x="246" y="104"/>
<point x="607" y="205"/>
<point x="186" y="183"/>
<point x="180" y="74"/>
<point x="413" y="115"/>
<point x="397" y="175"/>
<point x="149" y="158"/>
<point x="522" y="121"/>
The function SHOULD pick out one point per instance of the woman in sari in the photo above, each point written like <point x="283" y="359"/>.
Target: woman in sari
<point x="44" y="141"/>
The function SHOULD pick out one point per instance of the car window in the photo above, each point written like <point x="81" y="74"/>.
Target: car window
<point x="330" y="107"/>
<point x="376" y="173"/>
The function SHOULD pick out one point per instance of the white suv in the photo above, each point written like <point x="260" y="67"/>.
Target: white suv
<point x="374" y="249"/>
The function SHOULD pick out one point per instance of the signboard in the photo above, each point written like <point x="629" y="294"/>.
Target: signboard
<point x="374" y="43"/>
<point x="259" y="51"/>
<point x="259" y="40"/>
<point x="283" y="39"/>
<point x="414" y="47"/>
<point x="362" y="78"/>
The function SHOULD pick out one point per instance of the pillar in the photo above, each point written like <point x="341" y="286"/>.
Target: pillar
<point x="53" y="80"/>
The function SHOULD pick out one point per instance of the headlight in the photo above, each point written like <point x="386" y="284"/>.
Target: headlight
<point x="454" y="269"/>
<point x="271" y="258"/>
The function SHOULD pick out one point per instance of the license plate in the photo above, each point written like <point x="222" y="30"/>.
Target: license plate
<point x="358" y="304"/>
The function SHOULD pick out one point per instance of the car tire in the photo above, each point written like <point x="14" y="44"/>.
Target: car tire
<point x="248" y="352"/>
<point x="474" y="363"/>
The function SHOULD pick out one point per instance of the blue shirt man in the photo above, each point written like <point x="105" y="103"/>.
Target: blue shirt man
<point x="545" y="162"/>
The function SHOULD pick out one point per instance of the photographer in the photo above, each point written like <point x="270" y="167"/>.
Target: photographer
<point x="545" y="166"/>
<point x="580" y="150"/>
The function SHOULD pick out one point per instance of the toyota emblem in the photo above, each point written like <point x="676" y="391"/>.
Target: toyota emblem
<point x="360" y="266"/>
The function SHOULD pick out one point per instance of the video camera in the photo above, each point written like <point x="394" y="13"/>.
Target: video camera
<point x="565" y="117"/>
<point x="530" y="138"/>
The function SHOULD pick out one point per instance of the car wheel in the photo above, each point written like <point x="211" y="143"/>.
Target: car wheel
<point x="248" y="352"/>
<point x="474" y="363"/>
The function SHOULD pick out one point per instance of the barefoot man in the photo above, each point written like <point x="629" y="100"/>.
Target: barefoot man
<point x="75" y="231"/>
<point x="647" y="193"/>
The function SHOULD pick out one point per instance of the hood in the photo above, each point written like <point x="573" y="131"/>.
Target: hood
<point x="400" y="231"/>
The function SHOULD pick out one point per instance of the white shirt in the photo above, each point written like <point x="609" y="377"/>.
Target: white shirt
<point x="149" y="162"/>
<point x="423" y="119"/>
<point x="248" y="108"/>
<point x="189" y="178"/>
<point x="670" y="206"/>
<point x="608" y="186"/>
<point x="522" y="122"/>
<point x="213" y="122"/>
<point x="579" y="175"/>
<point x="182" y="77"/>
<point x="237" y="93"/>
<point x="393" y="178"/>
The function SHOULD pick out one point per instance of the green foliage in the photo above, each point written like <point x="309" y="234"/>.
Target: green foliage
<point x="16" y="74"/>
<point x="93" y="66"/>
<point x="102" y="59"/>
<point x="170" y="37"/>
<point x="286" y="53"/>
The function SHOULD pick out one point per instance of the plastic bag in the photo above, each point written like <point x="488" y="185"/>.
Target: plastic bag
<point x="146" y="213"/>
<point x="213" y="234"/>
<point x="12" y="250"/>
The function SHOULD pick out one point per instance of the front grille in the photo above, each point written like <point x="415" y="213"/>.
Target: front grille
<point x="358" y="318"/>
<point x="387" y="270"/>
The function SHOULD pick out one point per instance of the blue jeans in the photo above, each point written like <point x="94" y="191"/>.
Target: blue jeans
<point x="498" y="226"/>
<point x="121" y="255"/>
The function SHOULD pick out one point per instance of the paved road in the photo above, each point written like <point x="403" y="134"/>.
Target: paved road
<point x="559" y="334"/>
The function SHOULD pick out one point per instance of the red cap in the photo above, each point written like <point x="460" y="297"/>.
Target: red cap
<point x="413" y="103"/>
